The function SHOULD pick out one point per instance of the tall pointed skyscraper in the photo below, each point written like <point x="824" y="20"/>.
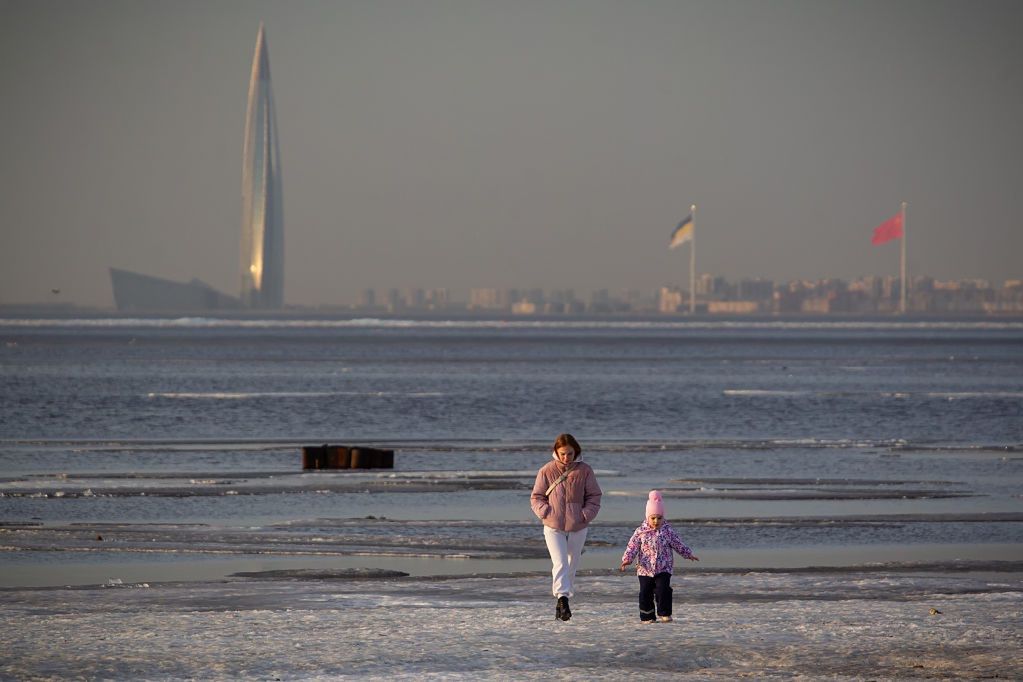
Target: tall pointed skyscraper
<point x="262" y="262"/>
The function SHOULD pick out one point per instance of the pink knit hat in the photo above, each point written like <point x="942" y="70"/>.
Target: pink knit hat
<point x="654" y="505"/>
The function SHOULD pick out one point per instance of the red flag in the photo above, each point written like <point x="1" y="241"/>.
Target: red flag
<point x="888" y="230"/>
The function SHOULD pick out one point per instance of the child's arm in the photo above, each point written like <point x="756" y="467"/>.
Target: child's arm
<point x="630" y="551"/>
<point x="682" y="548"/>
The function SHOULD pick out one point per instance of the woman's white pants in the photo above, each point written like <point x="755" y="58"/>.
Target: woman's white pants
<point x="565" y="548"/>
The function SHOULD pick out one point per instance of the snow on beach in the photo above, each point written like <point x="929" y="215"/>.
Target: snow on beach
<point x="812" y="624"/>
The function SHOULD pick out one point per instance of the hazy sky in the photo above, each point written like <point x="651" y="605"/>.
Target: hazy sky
<point x="475" y="143"/>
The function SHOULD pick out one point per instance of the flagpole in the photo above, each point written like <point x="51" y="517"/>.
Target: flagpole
<point x="902" y="263"/>
<point x="692" y="263"/>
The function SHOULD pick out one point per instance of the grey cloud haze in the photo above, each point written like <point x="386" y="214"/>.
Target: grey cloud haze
<point x="470" y="143"/>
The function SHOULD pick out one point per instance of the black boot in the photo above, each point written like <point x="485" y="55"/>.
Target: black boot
<point x="557" y="610"/>
<point x="564" y="613"/>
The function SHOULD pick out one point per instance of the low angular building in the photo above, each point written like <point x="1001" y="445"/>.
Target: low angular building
<point x="134" y="292"/>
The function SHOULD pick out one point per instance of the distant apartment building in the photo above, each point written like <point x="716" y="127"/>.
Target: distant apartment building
<point x="484" y="299"/>
<point x="414" y="299"/>
<point x="523" y="308"/>
<point x="393" y="300"/>
<point x="438" y="299"/>
<point x="367" y="299"/>
<point x="1008" y="299"/>
<point x="734" y="307"/>
<point x="670" y="300"/>
<point x="755" y="290"/>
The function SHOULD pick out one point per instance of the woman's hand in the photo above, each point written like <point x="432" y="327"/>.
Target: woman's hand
<point x="693" y="557"/>
<point x="623" y="566"/>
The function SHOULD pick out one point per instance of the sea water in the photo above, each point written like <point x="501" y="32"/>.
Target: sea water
<point x="776" y="443"/>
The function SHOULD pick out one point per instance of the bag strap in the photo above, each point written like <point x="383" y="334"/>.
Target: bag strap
<point x="557" y="482"/>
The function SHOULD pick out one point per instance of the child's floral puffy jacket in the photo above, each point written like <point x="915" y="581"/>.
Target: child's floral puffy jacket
<point x="654" y="548"/>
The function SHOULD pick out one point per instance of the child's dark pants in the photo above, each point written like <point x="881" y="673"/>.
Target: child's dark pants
<point x="658" y="587"/>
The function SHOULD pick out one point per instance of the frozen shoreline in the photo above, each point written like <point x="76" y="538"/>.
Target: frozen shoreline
<point x="844" y="625"/>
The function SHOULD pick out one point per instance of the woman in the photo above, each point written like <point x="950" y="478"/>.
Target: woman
<point x="566" y="498"/>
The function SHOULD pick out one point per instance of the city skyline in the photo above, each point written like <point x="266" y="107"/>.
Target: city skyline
<point x="714" y="295"/>
<point x="456" y="144"/>
<point x="718" y="295"/>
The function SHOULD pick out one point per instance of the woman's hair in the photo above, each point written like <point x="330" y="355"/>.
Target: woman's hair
<point x="567" y="439"/>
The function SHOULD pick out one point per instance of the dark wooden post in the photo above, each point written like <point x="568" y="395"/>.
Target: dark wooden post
<point x="343" y="457"/>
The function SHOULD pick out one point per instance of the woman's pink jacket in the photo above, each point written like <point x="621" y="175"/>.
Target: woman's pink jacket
<point x="573" y="503"/>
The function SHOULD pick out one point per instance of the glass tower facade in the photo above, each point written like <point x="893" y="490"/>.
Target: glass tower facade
<point x="262" y="256"/>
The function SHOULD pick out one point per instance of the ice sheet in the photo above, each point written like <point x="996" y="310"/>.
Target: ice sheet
<point x="802" y="625"/>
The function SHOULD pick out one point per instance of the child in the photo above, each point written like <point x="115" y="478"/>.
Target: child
<point x="653" y="542"/>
